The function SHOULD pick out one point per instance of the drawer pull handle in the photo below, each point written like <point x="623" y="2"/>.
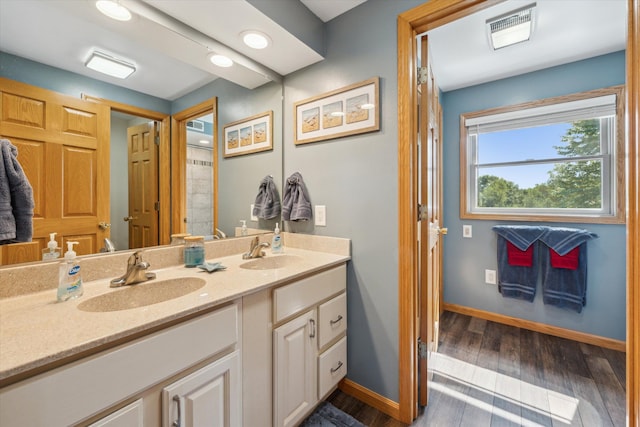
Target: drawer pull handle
<point x="176" y="423"/>
<point x="333" y="322"/>
<point x="337" y="368"/>
<point x="312" y="334"/>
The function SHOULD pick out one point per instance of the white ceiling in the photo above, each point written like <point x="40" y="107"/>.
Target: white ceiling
<point x="170" y="63"/>
<point x="62" y="33"/>
<point x="564" y="31"/>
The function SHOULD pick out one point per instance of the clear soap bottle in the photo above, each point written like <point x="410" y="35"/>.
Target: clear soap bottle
<point x="276" y="242"/>
<point x="52" y="251"/>
<point x="70" y="280"/>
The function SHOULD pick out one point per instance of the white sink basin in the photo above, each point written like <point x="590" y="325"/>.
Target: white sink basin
<point x="271" y="262"/>
<point x="143" y="294"/>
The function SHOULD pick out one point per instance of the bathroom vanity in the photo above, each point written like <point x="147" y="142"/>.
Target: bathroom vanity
<point x="259" y="344"/>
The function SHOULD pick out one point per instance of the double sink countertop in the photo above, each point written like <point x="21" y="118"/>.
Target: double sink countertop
<point x="37" y="333"/>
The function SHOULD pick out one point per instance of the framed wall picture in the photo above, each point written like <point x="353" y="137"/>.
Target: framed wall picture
<point x="249" y="135"/>
<point x="346" y="111"/>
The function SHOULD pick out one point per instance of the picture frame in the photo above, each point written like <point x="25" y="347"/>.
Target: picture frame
<point x="350" y="110"/>
<point x="250" y="135"/>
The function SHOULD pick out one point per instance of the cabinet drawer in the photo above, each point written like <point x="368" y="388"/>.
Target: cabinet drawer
<point x="290" y="299"/>
<point x="332" y="319"/>
<point x="332" y="367"/>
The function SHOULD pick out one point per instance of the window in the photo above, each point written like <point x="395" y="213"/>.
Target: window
<point x="557" y="159"/>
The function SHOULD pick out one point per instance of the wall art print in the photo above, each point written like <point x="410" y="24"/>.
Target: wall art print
<point x="250" y="135"/>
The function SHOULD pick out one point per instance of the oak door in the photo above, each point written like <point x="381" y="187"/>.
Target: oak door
<point x="143" y="185"/>
<point x="63" y="147"/>
<point x="429" y="224"/>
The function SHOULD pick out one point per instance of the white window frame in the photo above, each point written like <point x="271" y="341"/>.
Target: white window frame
<point x="600" y="102"/>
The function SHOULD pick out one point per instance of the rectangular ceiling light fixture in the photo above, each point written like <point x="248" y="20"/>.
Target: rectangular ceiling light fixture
<point x="109" y="65"/>
<point x="511" y="28"/>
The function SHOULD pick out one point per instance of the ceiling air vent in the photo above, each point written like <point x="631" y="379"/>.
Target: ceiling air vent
<point x="511" y="28"/>
<point x="195" y="125"/>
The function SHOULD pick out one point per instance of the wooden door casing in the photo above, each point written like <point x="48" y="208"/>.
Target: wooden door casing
<point x="63" y="147"/>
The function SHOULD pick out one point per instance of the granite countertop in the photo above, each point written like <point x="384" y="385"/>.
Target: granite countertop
<point x="36" y="331"/>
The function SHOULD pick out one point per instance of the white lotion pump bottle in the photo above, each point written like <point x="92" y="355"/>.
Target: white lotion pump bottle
<point x="70" y="284"/>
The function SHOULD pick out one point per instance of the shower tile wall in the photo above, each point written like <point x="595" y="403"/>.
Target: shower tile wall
<point x="199" y="191"/>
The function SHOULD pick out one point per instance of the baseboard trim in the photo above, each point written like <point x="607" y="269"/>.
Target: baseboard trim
<point x="539" y="327"/>
<point x="371" y="398"/>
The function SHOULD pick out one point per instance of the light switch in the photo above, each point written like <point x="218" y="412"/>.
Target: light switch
<point x="466" y="231"/>
<point x="252" y="216"/>
<point x="321" y="215"/>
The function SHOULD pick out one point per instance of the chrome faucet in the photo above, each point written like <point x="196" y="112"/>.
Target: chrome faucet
<point x="136" y="272"/>
<point x="255" y="251"/>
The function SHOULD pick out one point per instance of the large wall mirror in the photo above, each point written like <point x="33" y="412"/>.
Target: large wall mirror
<point x="204" y="192"/>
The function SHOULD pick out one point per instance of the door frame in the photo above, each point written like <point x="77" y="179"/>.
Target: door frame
<point x="164" y="159"/>
<point x="430" y="15"/>
<point x="179" y="157"/>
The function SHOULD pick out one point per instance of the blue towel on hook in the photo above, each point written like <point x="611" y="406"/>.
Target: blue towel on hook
<point x="267" y="204"/>
<point x="517" y="281"/>
<point x="564" y="287"/>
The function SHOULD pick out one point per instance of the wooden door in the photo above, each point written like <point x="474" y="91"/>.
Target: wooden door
<point x="143" y="185"/>
<point x="208" y="397"/>
<point x="63" y="147"/>
<point x="429" y="230"/>
<point x="295" y="369"/>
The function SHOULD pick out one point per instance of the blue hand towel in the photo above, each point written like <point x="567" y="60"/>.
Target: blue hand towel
<point x="516" y="281"/>
<point x="295" y="203"/>
<point x="16" y="197"/>
<point x="564" y="287"/>
<point x="267" y="204"/>
<point x="520" y="235"/>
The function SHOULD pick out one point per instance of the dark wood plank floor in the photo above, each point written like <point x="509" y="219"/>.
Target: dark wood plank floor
<point x="489" y="374"/>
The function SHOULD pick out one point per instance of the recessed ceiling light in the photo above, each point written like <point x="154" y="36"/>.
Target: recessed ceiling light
<point x="113" y="10"/>
<point x="255" y="39"/>
<point x="203" y="141"/>
<point x="511" y="28"/>
<point x="109" y="65"/>
<point x="221" y="60"/>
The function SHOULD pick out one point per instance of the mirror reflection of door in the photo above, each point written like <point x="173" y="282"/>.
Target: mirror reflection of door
<point x="200" y="201"/>
<point x="142" y="149"/>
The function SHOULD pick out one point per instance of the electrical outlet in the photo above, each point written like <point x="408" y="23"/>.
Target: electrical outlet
<point x="466" y="231"/>
<point x="321" y="215"/>
<point x="490" y="277"/>
<point x="253" y="217"/>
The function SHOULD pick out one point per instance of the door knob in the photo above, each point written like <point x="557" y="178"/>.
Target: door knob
<point x="443" y="230"/>
<point x="128" y="218"/>
<point x="103" y="225"/>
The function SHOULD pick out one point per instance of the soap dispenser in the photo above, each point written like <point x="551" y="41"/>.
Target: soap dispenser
<point x="244" y="231"/>
<point x="276" y="242"/>
<point x="70" y="284"/>
<point x="52" y="251"/>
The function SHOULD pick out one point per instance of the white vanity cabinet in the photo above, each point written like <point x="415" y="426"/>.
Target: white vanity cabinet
<point x="94" y="389"/>
<point x="309" y="343"/>
<point x="210" y="396"/>
<point x="131" y="415"/>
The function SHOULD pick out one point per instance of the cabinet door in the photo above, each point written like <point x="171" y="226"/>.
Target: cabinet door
<point x="295" y="369"/>
<point x="129" y="416"/>
<point x="209" y="397"/>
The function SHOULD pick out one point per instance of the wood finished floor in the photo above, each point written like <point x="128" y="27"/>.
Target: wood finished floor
<point x="489" y="374"/>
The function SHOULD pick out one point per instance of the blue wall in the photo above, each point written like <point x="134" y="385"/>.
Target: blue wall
<point x="466" y="259"/>
<point x="357" y="179"/>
